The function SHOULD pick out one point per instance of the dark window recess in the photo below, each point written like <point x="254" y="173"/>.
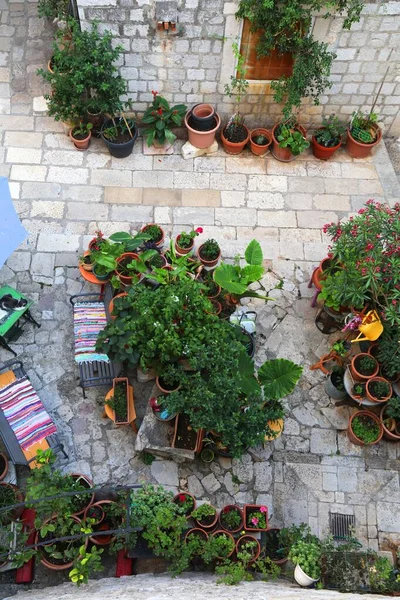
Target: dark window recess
<point x="268" y="67"/>
<point x="342" y="526"/>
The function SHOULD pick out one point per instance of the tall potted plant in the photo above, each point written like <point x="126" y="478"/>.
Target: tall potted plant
<point x="363" y="134"/>
<point x="159" y="118"/>
<point x="235" y="134"/>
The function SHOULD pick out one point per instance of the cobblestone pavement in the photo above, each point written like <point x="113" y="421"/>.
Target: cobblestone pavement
<point x="63" y="195"/>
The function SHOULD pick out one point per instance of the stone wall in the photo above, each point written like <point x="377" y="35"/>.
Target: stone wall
<point x="193" y="63"/>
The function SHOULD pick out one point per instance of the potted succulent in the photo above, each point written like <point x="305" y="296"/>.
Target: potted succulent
<point x="288" y="140"/>
<point x="231" y="518"/>
<point x="363" y="366"/>
<point x="328" y="138"/>
<point x="364" y="428"/>
<point x="260" y="141"/>
<point x="185" y="240"/>
<point x="81" y="135"/>
<point x="119" y="402"/>
<point x="363" y="134"/>
<point x="247" y="543"/>
<point x="307" y="558"/>
<point x="378" y="389"/>
<point x="334" y="385"/>
<point x="255" y="517"/>
<point x="209" y="253"/>
<point x="186" y="503"/>
<point x="155" y="232"/>
<point x="390" y="419"/>
<point x="119" y="135"/>
<point x="160" y="117"/>
<point x="205" y="516"/>
<point x="235" y="134"/>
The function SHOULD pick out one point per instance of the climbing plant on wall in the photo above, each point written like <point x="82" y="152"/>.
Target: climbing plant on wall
<point x="286" y="27"/>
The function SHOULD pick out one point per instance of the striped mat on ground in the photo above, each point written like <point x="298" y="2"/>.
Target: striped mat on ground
<point x="25" y="413"/>
<point x="89" y="319"/>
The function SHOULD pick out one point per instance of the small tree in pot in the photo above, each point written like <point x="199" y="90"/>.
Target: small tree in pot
<point x="235" y="135"/>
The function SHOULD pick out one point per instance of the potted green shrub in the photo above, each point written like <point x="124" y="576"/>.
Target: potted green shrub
<point x="288" y="140"/>
<point x="119" y="402"/>
<point x="160" y="117"/>
<point x="378" y="389"/>
<point x="255" y="517"/>
<point x="155" y="232"/>
<point x="205" y="516"/>
<point x="388" y="353"/>
<point x="364" y="428"/>
<point x="81" y="135"/>
<point x="220" y="545"/>
<point x="363" y="366"/>
<point x="260" y="141"/>
<point x="235" y="134"/>
<point x="185" y="240"/>
<point x="307" y="558"/>
<point x="390" y="418"/>
<point x="209" y="253"/>
<point x="186" y="503"/>
<point x="247" y="543"/>
<point x="231" y="518"/>
<point x="363" y="134"/>
<point x="328" y="138"/>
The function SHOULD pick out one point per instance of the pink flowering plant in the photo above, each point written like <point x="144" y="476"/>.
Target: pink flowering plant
<point x="186" y="238"/>
<point x="365" y="255"/>
<point x="257" y="519"/>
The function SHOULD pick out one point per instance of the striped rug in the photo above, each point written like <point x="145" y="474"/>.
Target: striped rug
<point x="25" y="413"/>
<point x="89" y="320"/>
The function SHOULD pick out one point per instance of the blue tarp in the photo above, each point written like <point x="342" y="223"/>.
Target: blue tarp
<point x="12" y="232"/>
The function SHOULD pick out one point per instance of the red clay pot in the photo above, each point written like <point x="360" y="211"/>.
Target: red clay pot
<point x="351" y="435"/>
<point x="237" y="510"/>
<point x="176" y="501"/>
<point x="209" y="525"/>
<point x="244" y="539"/>
<point x="50" y="565"/>
<point x="322" y="152"/>
<point x="249" y="509"/>
<point x="102" y="540"/>
<point x="371" y="397"/>
<point x="227" y="534"/>
<point x="388" y="433"/>
<point x="86" y="482"/>
<point x="81" y="144"/>
<point x="199" y="533"/>
<point x="257" y="149"/>
<point x="127" y="279"/>
<point x="358" y="149"/>
<point x="181" y="250"/>
<point x="111" y="305"/>
<point x="202" y="139"/>
<point x="234" y="147"/>
<point x="208" y="263"/>
<point x="161" y="240"/>
<point x="357" y="376"/>
<point x="284" y="154"/>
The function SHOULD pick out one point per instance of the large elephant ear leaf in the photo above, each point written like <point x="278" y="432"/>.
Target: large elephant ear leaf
<point x="227" y="277"/>
<point x="253" y="253"/>
<point x="252" y="273"/>
<point x="279" y="377"/>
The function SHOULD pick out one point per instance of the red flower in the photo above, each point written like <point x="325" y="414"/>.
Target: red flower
<point x="154" y="93"/>
<point x="160" y="111"/>
<point x="199" y="230"/>
<point x="182" y="498"/>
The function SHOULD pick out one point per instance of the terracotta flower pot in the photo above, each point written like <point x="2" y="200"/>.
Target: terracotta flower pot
<point x="79" y="143"/>
<point x="357" y="376"/>
<point x="87" y="266"/>
<point x="369" y="390"/>
<point x="87" y="501"/>
<point x="202" y="139"/>
<point x="102" y="540"/>
<point x="165" y="390"/>
<point x="258" y="149"/>
<point x="322" y="152"/>
<point x="250" y="509"/>
<point x="111" y="305"/>
<point x="227" y="534"/>
<point x="217" y="293"/>
<point x="284" y="154"/>
<point x="210" y="523"/>
<point x="187" y="496"/>
<point x="352" y="436"/>
<point x="229" y="508"/>
<point x="44" y="556"/>
<point x="245" y="539"/>
<point x="358" y="149"/>
<point x="203" y="111"/>
<point x="179" y="248"/>
<point x="126" y="257"/>
<point x="3" y="465"/>
<point x="235" y="147"/>
<point x="196" y="531"/>
<point x="160" y="241"/>
<point x="389" y="434"/>
<point x="208" y="263"/>
<point x="202" y="117"/>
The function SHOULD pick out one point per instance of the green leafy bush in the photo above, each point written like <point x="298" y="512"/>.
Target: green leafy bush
<point x="308" y="556"/>
<point x="160" y="117"/>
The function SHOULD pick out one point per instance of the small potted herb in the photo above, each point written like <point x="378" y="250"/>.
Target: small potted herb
<point x="246" y="543"/>
<point x="359" y="390"/>
<point x="289" y="140"/>
<point x="364" y="428"/>
<point x="378" y="389"/>
<point x="205" y="516"/>
<point x="119" y="402"/>
<point x="363" y="366"/>
<point x="185" y="241"/>
<point x="260" y="140"/>
<point x="81" y="135"/>
<point x="157" y="261"/>
<point x="328" y="138"/>
<point x="159" y="118"/>
<point x="101" y="272"/>
<point x="186" y="503"/>
<point x="155" y="232"/>
<point x="363" y="134"/>
<point x="209" y="253"/>
<point x="231" y="518"/>
<point x="119" y="135"/>
<point x="255" y="517"/>
<point x="86" y="261"/>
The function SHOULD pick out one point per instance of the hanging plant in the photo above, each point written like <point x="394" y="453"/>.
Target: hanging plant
<point x="286" y="27"/>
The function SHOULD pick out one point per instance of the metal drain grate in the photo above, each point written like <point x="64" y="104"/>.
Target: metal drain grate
<point x="342" y="526"/>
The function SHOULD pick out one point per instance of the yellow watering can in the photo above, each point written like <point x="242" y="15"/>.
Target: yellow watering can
<point x="371" y="327"/>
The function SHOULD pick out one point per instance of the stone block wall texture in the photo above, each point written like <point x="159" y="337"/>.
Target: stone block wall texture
<point x="193" y="64"/>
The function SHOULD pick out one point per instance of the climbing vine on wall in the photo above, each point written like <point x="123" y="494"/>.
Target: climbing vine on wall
<point x="286" y="27"/>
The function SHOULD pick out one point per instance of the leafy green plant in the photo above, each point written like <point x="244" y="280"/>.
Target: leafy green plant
<point x="379" y="389"/>
<point x="186" y="238"/>
<point x="286" y="27"/>
<point x="230" y="518"/>
<point x="160" y="117"/>
<point x="260" y="140"/>
<point x="389" y="351"/>
<point x="210" y="250"/>
<point x="119" y="402"/>
<point x="236" y="279"/>
<point x="185" y="503"/>
<point x="53" y="9"/>
<point x="392" y="409"/>
<point x="289" y="536"/>
<point x="340" y="347"/>
<point x="237" y="89"/>
<point x="218" y="546"/>
<point x="366" y="365"/>
<point x="147" y="458"/>
<point x="365" y="429"/>
<point x="82" y="130"/>
<point x="332" y="132"/>
<point x="380" y="575"/>
<point x="257" y="519"/>
<point x="120" y="129"/>
<point x="308" y="556"/>
<point x="359" y="389"/>
<point x="203" y="512"/>
<point x="290" y="137"/>
<point x="154" y="232"/>
<point x="363" y="127"/>
<point x="88" y="562"/>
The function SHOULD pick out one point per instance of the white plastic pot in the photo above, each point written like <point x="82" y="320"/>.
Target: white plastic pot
<point x="302" y="578"/>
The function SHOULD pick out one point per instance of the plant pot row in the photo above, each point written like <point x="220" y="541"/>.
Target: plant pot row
<point x="236" y="544"/>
